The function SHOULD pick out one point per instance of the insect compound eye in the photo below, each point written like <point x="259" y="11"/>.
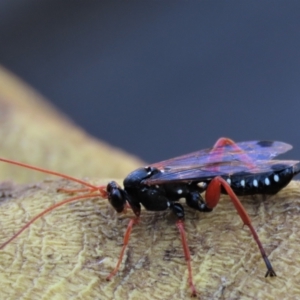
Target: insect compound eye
<point x="116" y="196"/>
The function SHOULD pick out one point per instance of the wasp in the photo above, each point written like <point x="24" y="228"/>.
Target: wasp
<point x="235" y="169"/>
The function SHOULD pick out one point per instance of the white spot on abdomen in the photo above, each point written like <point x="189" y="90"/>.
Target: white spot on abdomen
<point x="255" y="183"/>
<point x="267" y="181"/>
<point x="276" y="178"/>
<point x="243" y="183"/>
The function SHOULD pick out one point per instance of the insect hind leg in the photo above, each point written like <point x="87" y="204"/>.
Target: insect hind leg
<point x="219" y="149"/>
<point x="212" y="197"/>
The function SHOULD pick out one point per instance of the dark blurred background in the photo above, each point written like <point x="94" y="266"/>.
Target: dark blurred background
<point x="162" y="78"/>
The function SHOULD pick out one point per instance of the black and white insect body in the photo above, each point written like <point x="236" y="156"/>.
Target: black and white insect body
<point x="232" y="168"/>
<point x="157" y="187"/>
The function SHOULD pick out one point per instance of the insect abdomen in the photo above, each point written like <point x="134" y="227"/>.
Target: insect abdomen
<point x="263" y="183"/>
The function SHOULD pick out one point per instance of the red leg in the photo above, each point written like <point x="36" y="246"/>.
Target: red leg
<point x="221" y="142"/>
<point x="212" y="198"/>
<point x="185" y="249"/>
<point x="126" y="240"/>
<point x="187" y="255"/>
<point x="219" y="149"/>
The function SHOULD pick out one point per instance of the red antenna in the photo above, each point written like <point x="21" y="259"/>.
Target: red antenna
<point x="94" y="191"/>
<point x="12" y="162"/>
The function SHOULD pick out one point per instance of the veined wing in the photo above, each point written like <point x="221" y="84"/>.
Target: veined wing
<point x="249" y="152"/>
<point x="228" y="168"/>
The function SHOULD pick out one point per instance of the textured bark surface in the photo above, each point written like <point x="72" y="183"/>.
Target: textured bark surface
<point x="68" y="253"/>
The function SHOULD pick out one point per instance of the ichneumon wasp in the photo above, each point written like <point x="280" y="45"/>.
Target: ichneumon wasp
<point x="244" y="168"/>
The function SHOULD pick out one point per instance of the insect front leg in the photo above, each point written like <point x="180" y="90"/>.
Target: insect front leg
<point x="132" y="222"/>
<point x="212" y="197"/>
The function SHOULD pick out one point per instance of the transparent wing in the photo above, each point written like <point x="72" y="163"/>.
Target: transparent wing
<point x="249" y="152"/>
<point x="221" y="169"/>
